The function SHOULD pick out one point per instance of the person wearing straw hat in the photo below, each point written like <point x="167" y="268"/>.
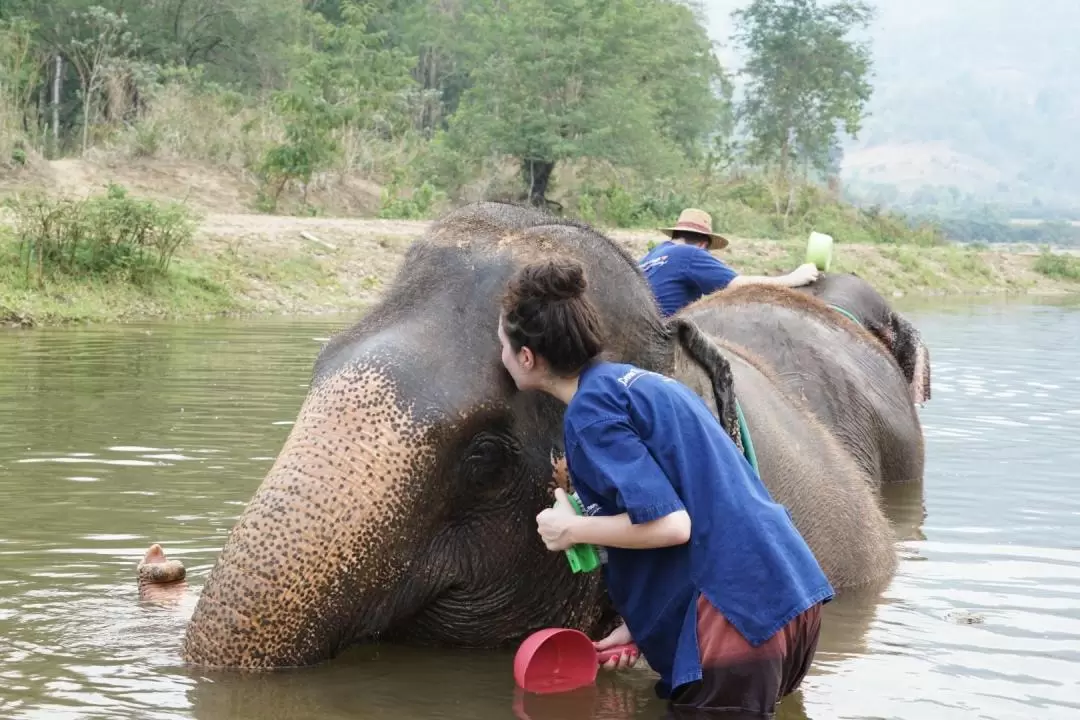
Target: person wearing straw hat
<point x="682" y="269"/>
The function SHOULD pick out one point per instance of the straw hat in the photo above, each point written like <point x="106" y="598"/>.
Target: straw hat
<point x="700" y="222"/>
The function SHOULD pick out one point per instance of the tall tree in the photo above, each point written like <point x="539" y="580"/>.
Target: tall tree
<point x="635" y="83"/>
<point x="806" y="78"/>
<point x="344" y="78"/>
<point x="102" y="39"/>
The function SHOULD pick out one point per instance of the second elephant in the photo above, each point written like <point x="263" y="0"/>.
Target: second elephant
<point x="845" y="375"/>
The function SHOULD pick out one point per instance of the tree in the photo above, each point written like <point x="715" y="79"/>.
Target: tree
<point x="633" y="83"/>
<point x="344" y="78"/>
<point x="241" y="42"/>
<point x="805" y="80"/>
<point x="20" y="69"/>
<point x="103" y="41"/>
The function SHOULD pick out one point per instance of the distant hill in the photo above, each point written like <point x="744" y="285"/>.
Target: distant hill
<point x="975" y="101"/>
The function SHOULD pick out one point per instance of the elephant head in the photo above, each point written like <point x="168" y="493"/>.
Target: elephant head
<point x="402" y="503"/>
<point x="853" y="295"/>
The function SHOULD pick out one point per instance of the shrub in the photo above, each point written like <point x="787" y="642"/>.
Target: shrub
<point x="108" y="235"/>
<point x="616" y="206"/>
<point x="419" y="205"/>
<point x="746" y="208"/>
<point x="1059" y="267"/>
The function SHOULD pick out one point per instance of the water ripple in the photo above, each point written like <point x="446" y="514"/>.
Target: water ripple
<point x="117" y="437"/>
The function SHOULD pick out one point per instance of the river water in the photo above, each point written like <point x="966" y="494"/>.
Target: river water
<point x="112" y="438"/>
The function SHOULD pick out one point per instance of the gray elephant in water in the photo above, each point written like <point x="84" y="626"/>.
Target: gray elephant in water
<point x="850" y="378"/>
<point x="401" y="506"/>
<point x="855" y="298"/>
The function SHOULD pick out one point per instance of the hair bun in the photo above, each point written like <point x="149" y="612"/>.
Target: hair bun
<point x="545" y="309"/>
<point x="560" y="279"/>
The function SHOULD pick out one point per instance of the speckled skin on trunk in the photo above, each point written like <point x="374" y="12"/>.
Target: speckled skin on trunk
<point x="402" y="505"/>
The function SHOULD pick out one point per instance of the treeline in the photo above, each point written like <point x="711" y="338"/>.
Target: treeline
<point x="988" y="230"/>
<point x="967" y="217"/>
<point x="616" y="110"/>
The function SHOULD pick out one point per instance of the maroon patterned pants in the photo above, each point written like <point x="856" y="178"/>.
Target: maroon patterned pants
<point x="742" y="682"/>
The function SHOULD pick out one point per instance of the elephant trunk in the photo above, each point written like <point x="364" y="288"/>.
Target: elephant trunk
<point x="314" y="560"/>
<point x="914" y="358"/>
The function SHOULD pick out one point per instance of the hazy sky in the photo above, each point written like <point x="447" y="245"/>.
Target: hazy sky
<point x="980" y="94"/>
<point x="908" y="34"/>
<point x="918" y="11"/>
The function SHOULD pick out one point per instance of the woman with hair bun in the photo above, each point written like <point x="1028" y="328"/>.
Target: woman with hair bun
<point x="713" y="581"/>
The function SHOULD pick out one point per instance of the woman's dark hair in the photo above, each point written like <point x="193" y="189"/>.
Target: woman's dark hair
<point x="545" y="309"/>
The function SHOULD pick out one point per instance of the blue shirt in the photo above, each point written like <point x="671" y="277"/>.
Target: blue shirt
<point x="680" y="274"/>
<point x="644" y="444"/>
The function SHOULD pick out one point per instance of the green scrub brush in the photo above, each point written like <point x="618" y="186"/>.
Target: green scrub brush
<point x="583" y="557"/>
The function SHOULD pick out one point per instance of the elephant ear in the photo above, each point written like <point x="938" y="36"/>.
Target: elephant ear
<point x="706" y="354"/>
<point x="912" y="355"/>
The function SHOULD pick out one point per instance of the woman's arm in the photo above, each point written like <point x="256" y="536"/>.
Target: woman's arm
<point x="618" y="531"/>
<point x="560" y="528"/>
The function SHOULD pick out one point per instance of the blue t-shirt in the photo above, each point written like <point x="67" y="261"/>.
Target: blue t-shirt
<point x="642" y="443"/>
<point x="680" y="274"/>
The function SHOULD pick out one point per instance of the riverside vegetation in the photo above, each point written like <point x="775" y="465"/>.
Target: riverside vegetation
<point x="613" y="111"/>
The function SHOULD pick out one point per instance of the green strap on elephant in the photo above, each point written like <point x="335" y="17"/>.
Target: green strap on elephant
<point x="846" y="314"/>
<point x="747" y="442"/>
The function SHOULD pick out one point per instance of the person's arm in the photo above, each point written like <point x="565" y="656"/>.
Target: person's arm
<point x="612" y="461"/>
<point x="802" y="275"/>
<point x="618" y="531"/>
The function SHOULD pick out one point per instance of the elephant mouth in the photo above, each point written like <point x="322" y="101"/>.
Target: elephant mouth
<point x="446" y="612"/>
<point x="448" y="618"/>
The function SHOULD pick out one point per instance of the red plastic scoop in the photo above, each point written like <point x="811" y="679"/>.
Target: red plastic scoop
<point x="560" y="660"/>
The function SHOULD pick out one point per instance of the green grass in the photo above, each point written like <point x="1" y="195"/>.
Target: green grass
<point x="1058" y="267"/>
<point x="203" y="282"/>
<point x="888" y="267"/>
<point x="190" y="289"/>
<point x="903" y="268"/>
<point x="199" y="284"/>
<point x="746" y="208"/>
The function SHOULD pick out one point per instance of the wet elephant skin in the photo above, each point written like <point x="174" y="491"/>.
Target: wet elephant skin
<point x="401" y="506"/>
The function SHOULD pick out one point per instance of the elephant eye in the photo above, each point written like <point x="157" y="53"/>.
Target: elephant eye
<point x="480" y="460"/>
<point x="488" y="453"/>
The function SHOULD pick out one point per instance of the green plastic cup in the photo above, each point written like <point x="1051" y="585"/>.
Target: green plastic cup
<point x="819" y="251"/>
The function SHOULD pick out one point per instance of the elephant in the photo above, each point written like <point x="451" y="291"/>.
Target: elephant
<point x="850" y="295"/>
<point x="848" y="377"/>
<point x="401" y="506"/>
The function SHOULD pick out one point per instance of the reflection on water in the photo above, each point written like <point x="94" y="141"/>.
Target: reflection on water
<point x="114" y="438"/>
<point x="1000" y="543"/>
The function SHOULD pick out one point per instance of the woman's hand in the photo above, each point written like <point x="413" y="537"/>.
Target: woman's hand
<point x="618" y="636"/>
<point x="554" y="524"/>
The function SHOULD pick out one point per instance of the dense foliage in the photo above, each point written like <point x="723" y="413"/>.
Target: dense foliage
<point x="614" y="110"/>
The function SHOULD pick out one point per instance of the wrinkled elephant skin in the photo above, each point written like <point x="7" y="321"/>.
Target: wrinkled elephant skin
<point x="402" y="504"/>
<point x="839" y="369"/>
<point x="854" y="295"/>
